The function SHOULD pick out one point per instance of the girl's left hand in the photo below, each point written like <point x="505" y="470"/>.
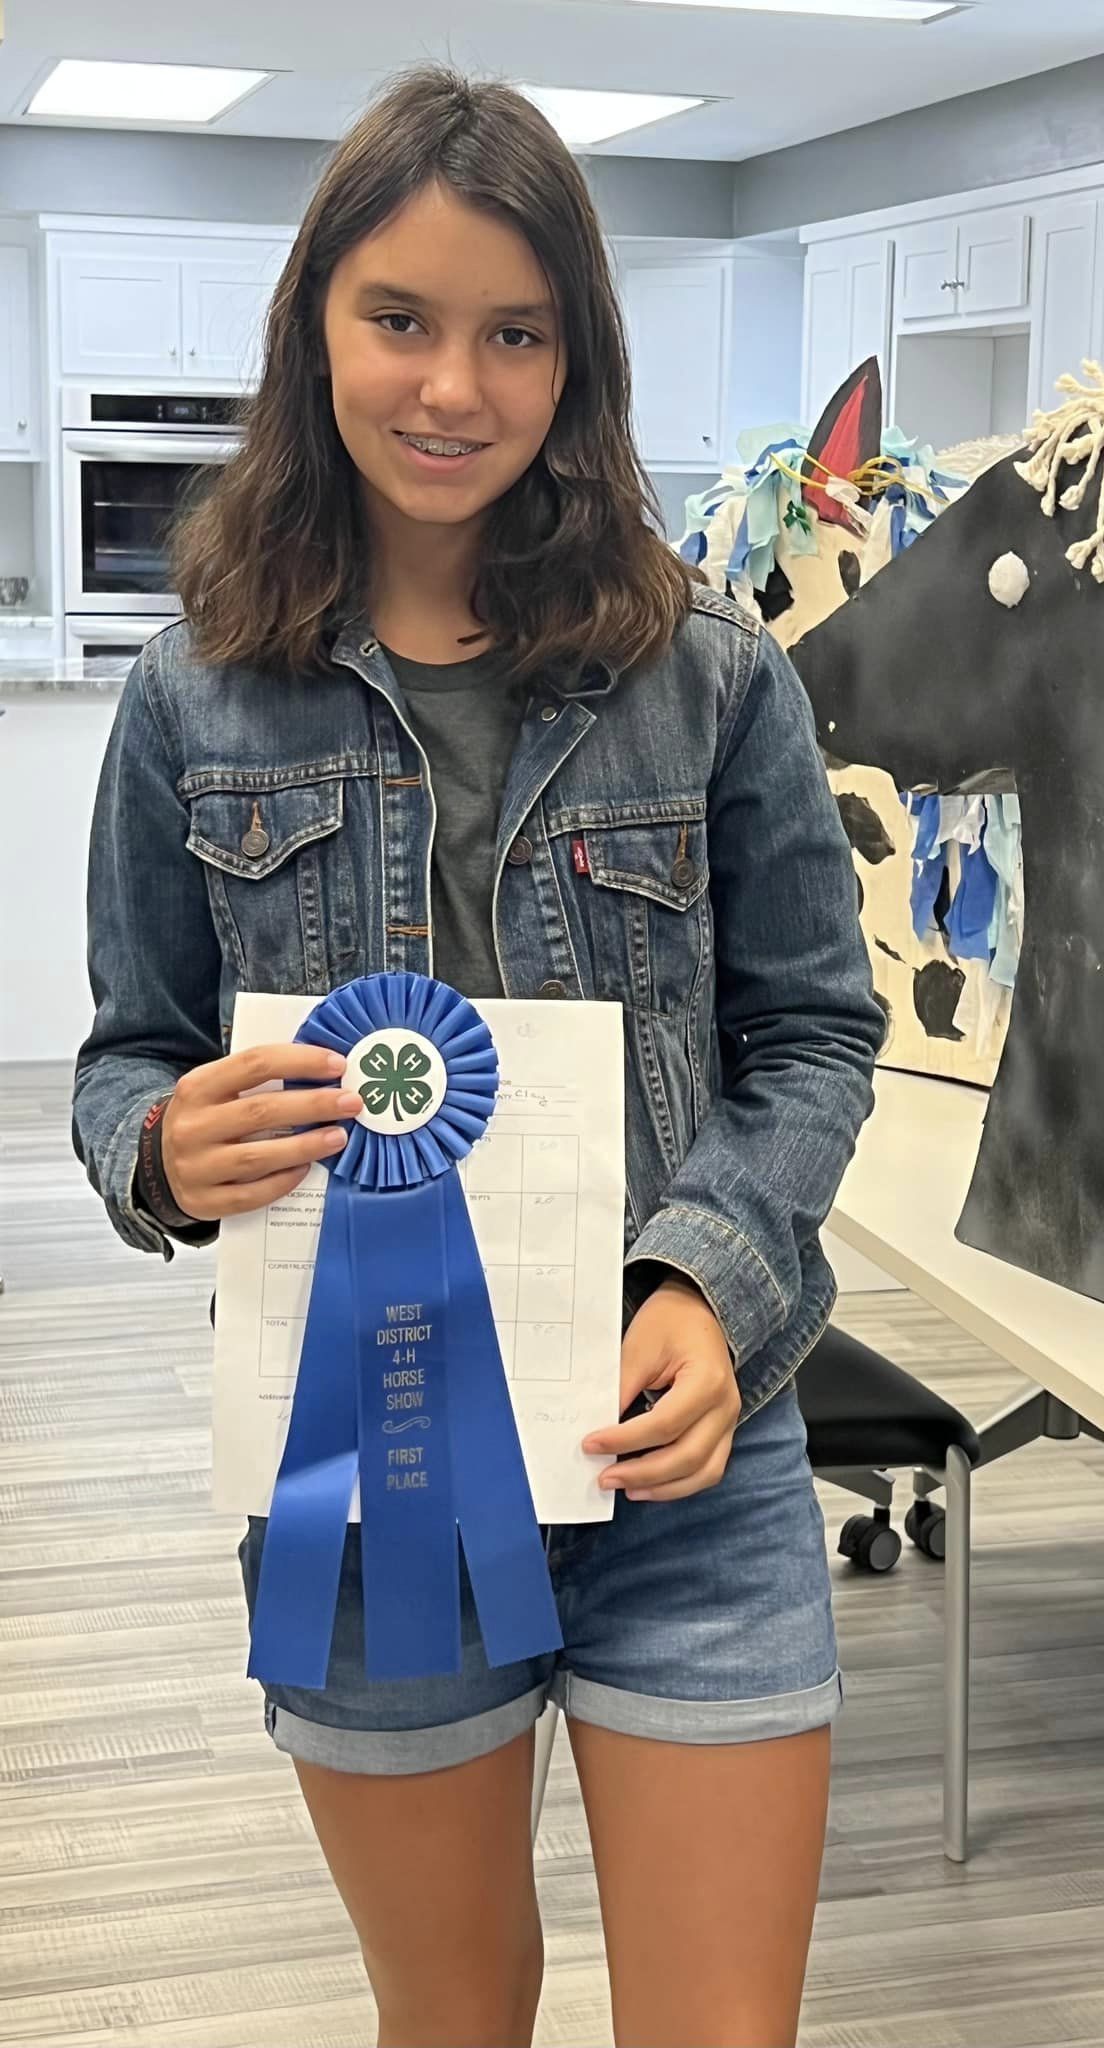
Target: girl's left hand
<point x="674" y="1342"/>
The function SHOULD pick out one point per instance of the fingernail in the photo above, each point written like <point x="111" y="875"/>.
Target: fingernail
<point x="349" y="1104"/>
<point x="608" y="1484"/>
<point x="639" y="1496"/>
<point x="594" y="1446"/>
<point x="335" y="1063"/>
<point x="335" y="1140"/>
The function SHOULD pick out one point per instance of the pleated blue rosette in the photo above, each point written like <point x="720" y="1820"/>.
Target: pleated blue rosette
<point x="401" y="1384"/>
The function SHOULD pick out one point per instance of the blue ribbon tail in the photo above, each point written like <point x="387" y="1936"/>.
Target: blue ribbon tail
<point x="296" y="1600"/>
<point x="498" y="1523"/>
<point x="409" y="1548"/>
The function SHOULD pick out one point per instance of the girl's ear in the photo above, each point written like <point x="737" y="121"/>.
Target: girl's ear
<point x="848" y="434"/>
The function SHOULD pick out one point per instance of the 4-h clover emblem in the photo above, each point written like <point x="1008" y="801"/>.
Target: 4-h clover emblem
<point x="400" y="1078"/>
<point x="396" y="1081"/>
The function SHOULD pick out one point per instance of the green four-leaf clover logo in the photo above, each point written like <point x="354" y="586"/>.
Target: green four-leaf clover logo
<point x="395" y="1079"/>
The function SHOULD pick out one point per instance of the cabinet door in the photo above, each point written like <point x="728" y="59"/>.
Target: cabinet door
<point x="927" y="268"/>
<point x="847" y="299"/>
<point x="676" y="320"/>
<point x="225" y="300"/>
<point x="1065" y="286"/>
<point x="992" y="261"/>
<point x="16" y="429"/>
<point x="120" y="315"/>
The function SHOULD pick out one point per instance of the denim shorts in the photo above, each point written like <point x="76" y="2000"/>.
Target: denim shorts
<point x="705" y="1620"/>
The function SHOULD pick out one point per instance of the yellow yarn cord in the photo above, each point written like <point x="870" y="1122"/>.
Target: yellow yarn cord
<point x="870" y="479"/>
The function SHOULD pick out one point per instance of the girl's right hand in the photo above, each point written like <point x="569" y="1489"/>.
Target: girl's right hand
<point x="214" y="1149"/>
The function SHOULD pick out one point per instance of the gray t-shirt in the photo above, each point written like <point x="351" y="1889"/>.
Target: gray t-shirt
<point x="467" y="717"/>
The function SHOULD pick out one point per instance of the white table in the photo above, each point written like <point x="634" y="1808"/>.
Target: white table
<point x="899" y="1203"/>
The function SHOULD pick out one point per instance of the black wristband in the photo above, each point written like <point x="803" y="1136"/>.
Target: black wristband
<point x="150" y="1176"/>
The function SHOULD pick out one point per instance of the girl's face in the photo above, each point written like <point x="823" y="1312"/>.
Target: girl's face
<point x="445" y="359"/>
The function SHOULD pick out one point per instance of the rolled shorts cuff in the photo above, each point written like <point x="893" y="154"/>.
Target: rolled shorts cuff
<point x="403" y="1752"/>
<point x="697" y="1721"/>
<point x="406" y="1752"/>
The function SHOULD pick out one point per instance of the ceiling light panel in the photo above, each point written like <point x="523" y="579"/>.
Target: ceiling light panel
<point x="80" y="90"/>
<point x="913" y="11"/>
<point x="584" y="118"/>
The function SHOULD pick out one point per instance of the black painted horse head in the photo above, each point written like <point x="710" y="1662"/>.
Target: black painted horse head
<point x="926" y="674"/>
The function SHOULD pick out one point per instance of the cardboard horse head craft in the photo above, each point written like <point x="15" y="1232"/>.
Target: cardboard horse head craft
<point x="802" y="520"/>
<point x="797" y="529"/>
<point x="976" y="662"/>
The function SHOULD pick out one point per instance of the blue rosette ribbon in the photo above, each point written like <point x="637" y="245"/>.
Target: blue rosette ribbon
<point x="401" y="1384"/>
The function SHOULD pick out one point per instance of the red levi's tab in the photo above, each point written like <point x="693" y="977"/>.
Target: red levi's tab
<point x="579" y="855"/>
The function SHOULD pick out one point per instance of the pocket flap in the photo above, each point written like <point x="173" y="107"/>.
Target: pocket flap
<point x="250" y="834"/>
<point x="666" y="862"/>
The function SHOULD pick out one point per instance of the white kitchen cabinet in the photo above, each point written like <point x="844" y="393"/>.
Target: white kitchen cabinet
<point x="1067" y="281"/>
<point x="677" y="317"/>
<point x="927" y="259"/>
<point x="993" y="250"/>
<point x="17" y="417"/>
<point x="224" y="300"/>
<point x="51" y="743"/>
<point x="972" y="264"/>
<point x="119" y="313"/>
<point x="848" y="286"/>
<point x="165" y="308"/>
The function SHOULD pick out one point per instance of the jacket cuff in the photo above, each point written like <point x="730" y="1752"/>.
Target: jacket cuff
<point x="735" y="1279"/>
<point x="133" y="1221"/>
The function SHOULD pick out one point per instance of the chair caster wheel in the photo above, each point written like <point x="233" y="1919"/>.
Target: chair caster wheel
<point x="872" y="1546"/>
<point x="927" y="1528"/>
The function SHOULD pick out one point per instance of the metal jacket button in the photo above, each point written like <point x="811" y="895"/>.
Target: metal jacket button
<point x="552" y="989"/>
<point x="255" y="841"/>
<point x="549" y="713"/>
<point x="683" y="872"/>
<point x="521" y="852"/>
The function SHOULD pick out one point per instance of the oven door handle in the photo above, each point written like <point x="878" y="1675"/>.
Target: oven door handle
<point x="112" y="627"/>
<point x="151" y="447"/>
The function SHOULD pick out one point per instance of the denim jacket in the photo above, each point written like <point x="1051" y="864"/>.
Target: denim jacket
<point x="667" y="840"/>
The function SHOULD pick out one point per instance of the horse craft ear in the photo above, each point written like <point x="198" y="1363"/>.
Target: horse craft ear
<point x="848" y="434"/>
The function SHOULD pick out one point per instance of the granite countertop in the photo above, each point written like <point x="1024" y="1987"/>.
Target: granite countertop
<point x="56" y="675"/>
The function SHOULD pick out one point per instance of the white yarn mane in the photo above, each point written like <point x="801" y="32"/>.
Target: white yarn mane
<point x="1073" y="433"/>
<point x="970" y="459"/>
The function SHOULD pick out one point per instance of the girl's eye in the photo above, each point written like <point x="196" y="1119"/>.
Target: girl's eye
<point x="518" y="337"/>
<point x="397" y="323"/>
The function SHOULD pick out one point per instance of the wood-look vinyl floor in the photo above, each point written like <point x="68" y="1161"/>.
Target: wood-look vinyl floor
<point x="159" y="1883"/>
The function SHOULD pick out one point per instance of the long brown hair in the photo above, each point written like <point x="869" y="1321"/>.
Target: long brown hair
<point x="572" y="567"/>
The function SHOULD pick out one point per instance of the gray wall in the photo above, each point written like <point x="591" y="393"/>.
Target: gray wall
<point x="656" y="196"/>
<point x="243" y="178"/>
<point x="1052" y="122"/>
<point x="182" y="177"/>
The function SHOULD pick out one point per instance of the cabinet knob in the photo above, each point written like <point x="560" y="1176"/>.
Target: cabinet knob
<point x="22" y="426"/>
<point x="172" y="349"/>
<point x="191" y="351"/>
<point x="707" y="438"/>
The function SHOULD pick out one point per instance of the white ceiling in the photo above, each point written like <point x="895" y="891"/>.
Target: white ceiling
<point x="774" y="80"/>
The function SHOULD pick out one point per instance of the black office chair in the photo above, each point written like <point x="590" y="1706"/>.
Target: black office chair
<point x="865" y="1416"/>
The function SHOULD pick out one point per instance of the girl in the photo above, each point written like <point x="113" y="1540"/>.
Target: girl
<point x="444" y="701"/>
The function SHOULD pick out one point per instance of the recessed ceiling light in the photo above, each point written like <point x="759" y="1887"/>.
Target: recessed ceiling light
<point x="79" y="89"/>
<point x="856" y="10"/>
<point x="583" y="118"/>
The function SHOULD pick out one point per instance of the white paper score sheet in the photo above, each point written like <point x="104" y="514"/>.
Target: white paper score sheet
<point x="545" y="1188"/>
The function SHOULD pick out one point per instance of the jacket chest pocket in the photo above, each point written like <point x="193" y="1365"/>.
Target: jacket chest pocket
<point x="644" y="893"/>
<point x="280" y="881"/>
